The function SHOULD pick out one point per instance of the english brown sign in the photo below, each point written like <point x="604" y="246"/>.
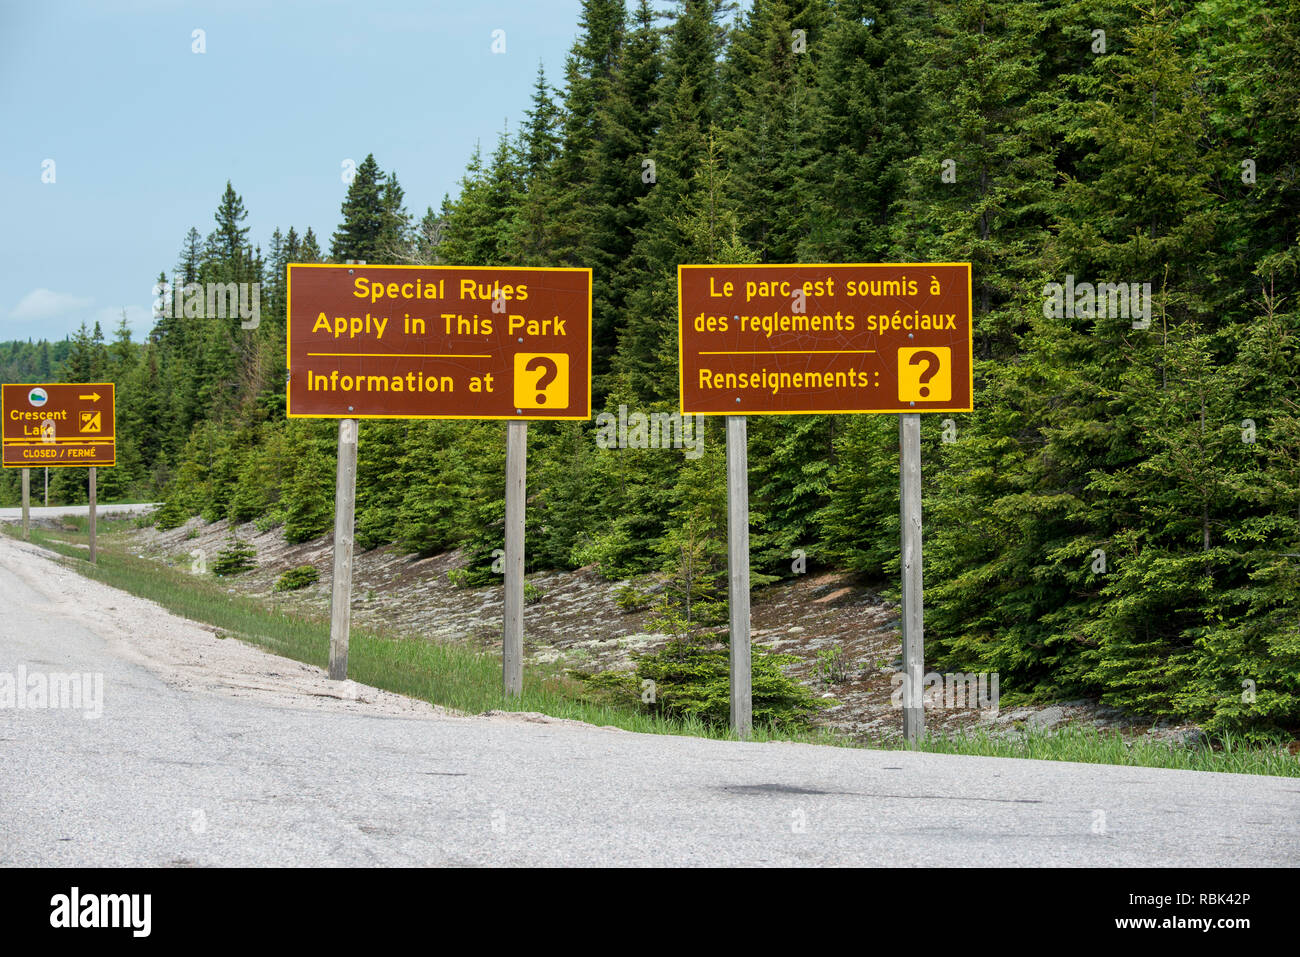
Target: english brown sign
<point x="58" y="424"/>
<point x="424" y="342"/>
<point x="775" y="339"/>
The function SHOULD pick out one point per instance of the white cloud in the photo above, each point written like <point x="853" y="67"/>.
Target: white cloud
<point x="44" y="304"/>
<point x="139" y="318"/>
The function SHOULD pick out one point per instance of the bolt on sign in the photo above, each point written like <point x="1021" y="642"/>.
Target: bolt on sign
<point x="776" y="339"/>
<point x="59" y="424"/>
<point x="439" y="342"/>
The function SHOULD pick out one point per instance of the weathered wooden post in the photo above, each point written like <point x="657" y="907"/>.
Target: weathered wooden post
<point x="345" y="497"/>
<point x="512" y="634"/>
<point x="742" y="703"/>
<point x="909" y="460"/>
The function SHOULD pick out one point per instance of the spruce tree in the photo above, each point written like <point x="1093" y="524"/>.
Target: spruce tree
<point x="310" y="250"/>
<point x="688" y="106"/>
<point x="393" y="242"/>
<point x="232" y="238"/>
<point x="769" y="85"/>
<point x="365" y="219"/>
<point x="623" y="174"/>
<point x="862" y="126"/>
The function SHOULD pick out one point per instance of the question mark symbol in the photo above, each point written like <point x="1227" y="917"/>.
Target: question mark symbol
<point x="549" y="372"/>
<point x="931" y="368"/>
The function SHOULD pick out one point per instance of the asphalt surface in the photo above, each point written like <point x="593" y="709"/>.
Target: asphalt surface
<point x="172" y="777"/>
<point x="42" y="512"/>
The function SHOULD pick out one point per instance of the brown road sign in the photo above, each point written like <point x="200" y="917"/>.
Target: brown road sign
<point x="58" y="423"/>
<point x="757" y="339"/>
<point x="439" y="342"/>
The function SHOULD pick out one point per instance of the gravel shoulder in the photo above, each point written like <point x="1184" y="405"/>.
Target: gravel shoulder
<point x="190" y="656"/>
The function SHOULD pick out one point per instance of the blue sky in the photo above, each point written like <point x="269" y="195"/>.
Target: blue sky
<point x="144" y="132"/>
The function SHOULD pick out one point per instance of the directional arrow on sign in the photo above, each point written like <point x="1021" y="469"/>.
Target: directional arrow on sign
<point x="93" y="397"/>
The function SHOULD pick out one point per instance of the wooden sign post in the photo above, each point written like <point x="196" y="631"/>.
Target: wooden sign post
<point x="512" y="635"/>
<point x="909" y="523"/>
<point x="93" y="477"/>
<point x="742" y="697"/>
<point x="438" y="342"/>
<point x="27" y="491"/>
<point x="801" y="339"/>
<point x="345" y="498"/>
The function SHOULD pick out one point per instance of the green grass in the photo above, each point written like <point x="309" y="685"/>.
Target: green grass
<point x="1092" y="746"/>
<point x="464" y="679"/>
<point x="452" y="675"/>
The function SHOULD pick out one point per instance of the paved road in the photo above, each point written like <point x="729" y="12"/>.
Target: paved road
<point x="39" y="512"/>
<point x="172" y="776"/>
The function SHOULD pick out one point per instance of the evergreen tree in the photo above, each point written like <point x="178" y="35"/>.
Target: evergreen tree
<point x="624" y="172"/>
<point x="863" y="126"/>
<point x="768" y="89"/>
<point x="310" y="251"/>
<point x="307" y="498"/>
<point x="366" y="219"/>
<point x="82" y="362"/>
<point x="232" y="238"/>
<point x="1117" y="517"/>
<point x="542" y="121"/>
<point x="687" y="101"/>
<point x="187" y="268"/>
<point x="393" y="242"/>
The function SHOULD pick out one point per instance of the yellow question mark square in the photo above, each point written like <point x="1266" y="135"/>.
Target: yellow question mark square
<point x="555" y="393"/>
<point x="937" y="386"/>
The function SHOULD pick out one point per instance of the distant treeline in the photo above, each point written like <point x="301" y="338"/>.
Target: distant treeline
<point x="28" y="361"/>
<point x="1119" y="516"/>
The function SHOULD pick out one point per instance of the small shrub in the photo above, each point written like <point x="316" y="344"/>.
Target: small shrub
<point x="630" y="598"/>
<point x="832" y="666"/>
<point x="235" y="559"/>
<point x="692" y="680"/>
<point x="296" y="578"/>
<point x="532" y="593"/>
<point x="707" y="611"/>
<point x="670" y="618"/>
<point x="171" y="515"/>
<point x="264" y="523"/>
<point x="459" y="577"/>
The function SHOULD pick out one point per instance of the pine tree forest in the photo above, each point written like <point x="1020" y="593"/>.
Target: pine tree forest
<point x="1118" y="518"/>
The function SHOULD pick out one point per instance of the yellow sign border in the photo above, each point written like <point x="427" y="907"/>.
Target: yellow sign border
<point x="681" y="364"/>
<point x="288" y="342"/>
<point x="66" y="443"/>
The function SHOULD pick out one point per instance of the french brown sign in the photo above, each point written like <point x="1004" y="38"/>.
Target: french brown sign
<point x="439" y="342"/>
<point x="773" y="339"/>
<point x="58" y="424"/>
